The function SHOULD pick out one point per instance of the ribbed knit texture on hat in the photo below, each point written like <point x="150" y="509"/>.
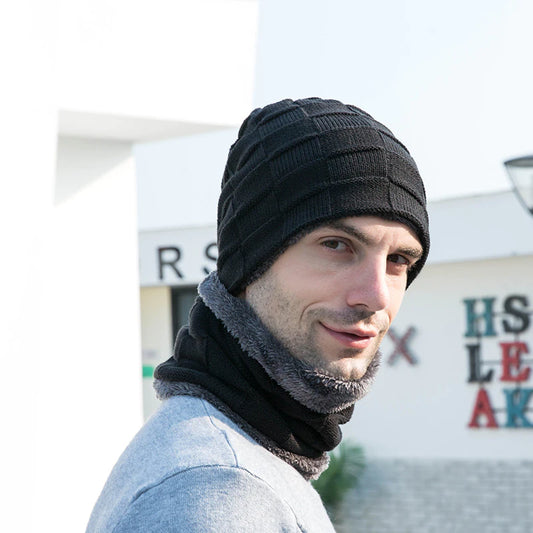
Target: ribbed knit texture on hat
<point x="298" y="163"/>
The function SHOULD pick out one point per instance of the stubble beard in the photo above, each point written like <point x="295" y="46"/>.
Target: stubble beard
<point x="303" y="343"/>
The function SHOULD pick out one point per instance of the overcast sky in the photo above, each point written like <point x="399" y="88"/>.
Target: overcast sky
<point x="453" y="80"/>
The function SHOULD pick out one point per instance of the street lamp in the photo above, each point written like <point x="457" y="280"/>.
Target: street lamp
<point x="520" y="171"/>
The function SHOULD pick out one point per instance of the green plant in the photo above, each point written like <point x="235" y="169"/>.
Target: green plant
<point x="346" y="464"/>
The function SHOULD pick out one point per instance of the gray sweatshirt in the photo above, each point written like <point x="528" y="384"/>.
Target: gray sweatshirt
<point x="191" y="469"/>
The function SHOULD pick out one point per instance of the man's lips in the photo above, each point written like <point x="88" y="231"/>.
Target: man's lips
<point x="352" y="337"/>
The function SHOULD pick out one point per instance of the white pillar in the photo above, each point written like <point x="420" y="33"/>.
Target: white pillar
<point x="90" y="356"/>
<point x="69" y="306"/>
<point x="27" y="144"/>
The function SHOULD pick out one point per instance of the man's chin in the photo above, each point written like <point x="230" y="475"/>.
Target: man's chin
<point x="351" y="368"/>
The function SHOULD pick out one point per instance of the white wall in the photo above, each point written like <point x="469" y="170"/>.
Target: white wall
<point x="424" y="410"/>
<point x="447" y="78"/>
<point x="26" y="189"/>
<point x="92" y="71"/>
<point x="178" y="63"/>
<point x="90" y="400"/>
<point x="484" y="226"/>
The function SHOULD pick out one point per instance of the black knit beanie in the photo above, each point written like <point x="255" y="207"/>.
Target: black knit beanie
<point x="298" y="163"/>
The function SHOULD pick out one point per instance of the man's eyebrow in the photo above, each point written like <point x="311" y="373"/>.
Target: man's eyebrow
<point x="350" y="230"/>
<point x="413" y="253"/>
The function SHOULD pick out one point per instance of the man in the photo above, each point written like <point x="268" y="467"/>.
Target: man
<point x="322" y="225"/>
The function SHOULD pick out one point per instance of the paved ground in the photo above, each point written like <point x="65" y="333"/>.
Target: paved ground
<point x="410" y="496"/>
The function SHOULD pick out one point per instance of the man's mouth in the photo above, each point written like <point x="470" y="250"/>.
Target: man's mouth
<point x="357" y="337"/>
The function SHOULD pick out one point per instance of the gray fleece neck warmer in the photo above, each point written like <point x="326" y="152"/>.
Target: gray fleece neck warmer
<point x="314" y="389"/>
<point x="309" y="388"/>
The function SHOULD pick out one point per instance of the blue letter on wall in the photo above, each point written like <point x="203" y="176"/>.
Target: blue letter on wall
<point x="472" y="318"/>
<point x="517" y="400"/>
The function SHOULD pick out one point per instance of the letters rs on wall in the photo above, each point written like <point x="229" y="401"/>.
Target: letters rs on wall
<point x="499" y="361"/>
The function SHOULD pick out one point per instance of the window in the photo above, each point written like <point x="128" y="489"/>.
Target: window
<point x="182" y="299"/>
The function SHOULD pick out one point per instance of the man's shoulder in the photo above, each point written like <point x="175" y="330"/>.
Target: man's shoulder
<point x="185" y="433"/>
<point x="209" y="498"/>
<point x="187" y="449"/>
<point x="189" y="432"/>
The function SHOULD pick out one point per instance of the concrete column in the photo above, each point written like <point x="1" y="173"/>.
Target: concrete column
<point x="90" y="355"/>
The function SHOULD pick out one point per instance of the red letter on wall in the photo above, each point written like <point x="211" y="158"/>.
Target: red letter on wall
<point x="483" y="407"/>
<point x="511" y="352"/>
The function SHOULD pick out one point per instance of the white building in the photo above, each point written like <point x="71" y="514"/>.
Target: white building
<point x="83" y="81"/>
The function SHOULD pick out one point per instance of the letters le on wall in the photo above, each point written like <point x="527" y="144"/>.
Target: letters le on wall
<point x="499" y="361"/>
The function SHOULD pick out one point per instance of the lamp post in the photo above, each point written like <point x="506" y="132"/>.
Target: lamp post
<point x="520" y="171"/>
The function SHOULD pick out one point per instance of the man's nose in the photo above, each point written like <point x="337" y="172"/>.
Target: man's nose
<point x="369" y="286"/>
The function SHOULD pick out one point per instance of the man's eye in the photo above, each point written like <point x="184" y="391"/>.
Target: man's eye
<point x="334" y="244"/>
<point x="399" y="259"/>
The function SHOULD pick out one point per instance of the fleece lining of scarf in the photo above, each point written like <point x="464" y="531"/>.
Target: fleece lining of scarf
<point x="313" y="390"/>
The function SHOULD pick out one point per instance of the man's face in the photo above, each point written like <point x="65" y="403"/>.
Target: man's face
<point x="331" y="297"/>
